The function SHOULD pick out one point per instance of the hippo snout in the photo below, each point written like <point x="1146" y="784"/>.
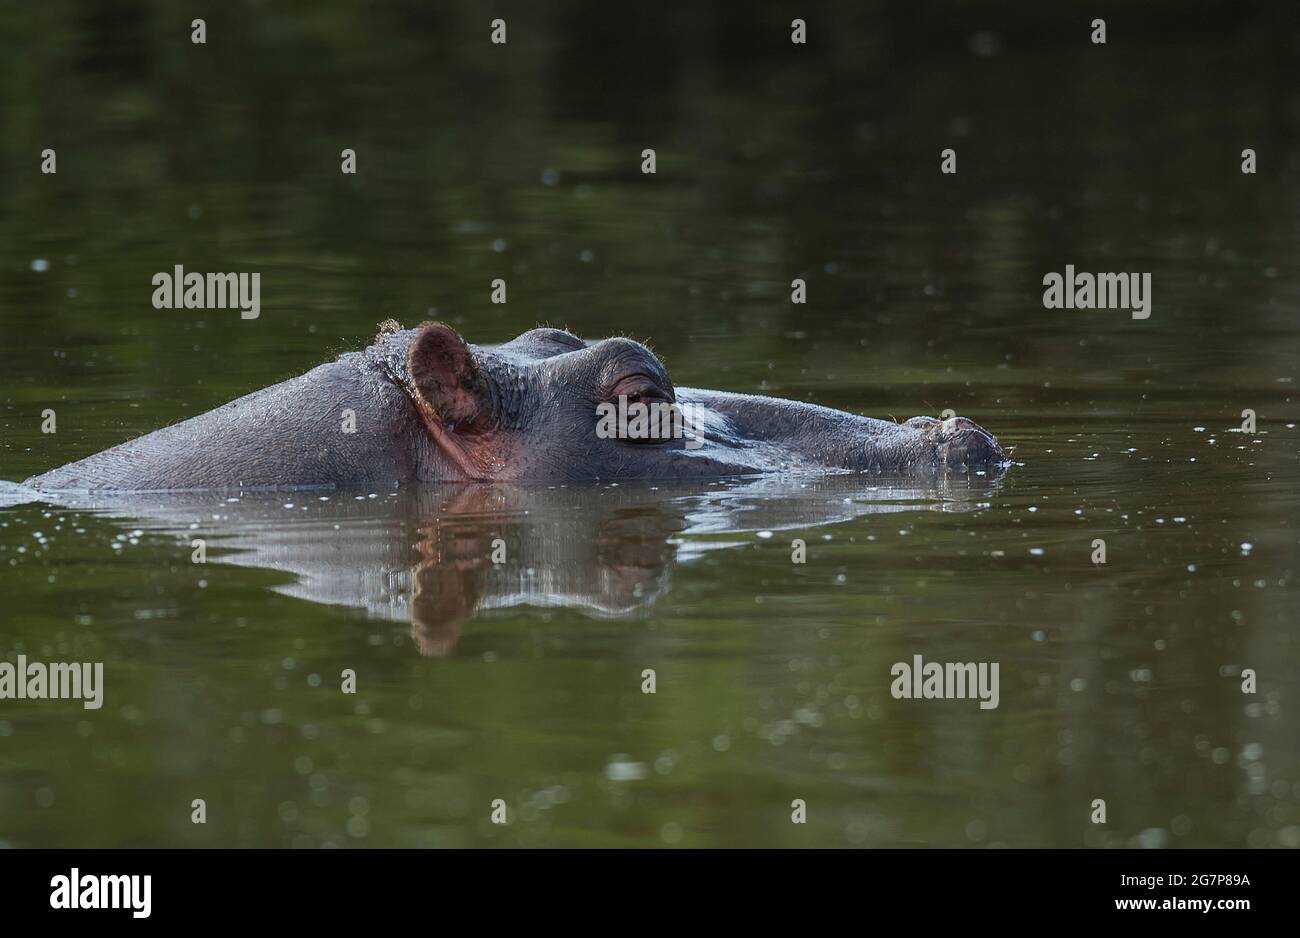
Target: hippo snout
<point x="960" y="443"/>
<point x="964" y="443"/>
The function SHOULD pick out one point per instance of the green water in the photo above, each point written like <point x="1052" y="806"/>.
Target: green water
<point x="522" y="681"/>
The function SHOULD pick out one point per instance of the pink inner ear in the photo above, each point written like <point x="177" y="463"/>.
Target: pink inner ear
<point x="443" y="371"/>
<point x="445" y="382"/>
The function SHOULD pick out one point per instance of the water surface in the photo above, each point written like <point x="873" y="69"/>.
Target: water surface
<point x="522" y="681"/>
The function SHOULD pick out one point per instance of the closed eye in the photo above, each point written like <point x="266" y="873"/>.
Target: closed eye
<point x="645" y="411"/>
<point x="639" y="389"/>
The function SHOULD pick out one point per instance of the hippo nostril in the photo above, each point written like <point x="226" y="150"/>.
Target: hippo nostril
<point x="963" y="442"/>
<point x="954" y="425"/>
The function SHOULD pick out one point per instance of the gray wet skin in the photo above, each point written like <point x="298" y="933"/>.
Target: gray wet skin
<point x="431" y="408"/>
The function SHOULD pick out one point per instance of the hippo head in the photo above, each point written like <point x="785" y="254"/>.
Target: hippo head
<point x="549" y="406"/>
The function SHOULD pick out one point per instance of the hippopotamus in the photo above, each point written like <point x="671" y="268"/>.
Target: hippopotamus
<point x="423" y="405"/>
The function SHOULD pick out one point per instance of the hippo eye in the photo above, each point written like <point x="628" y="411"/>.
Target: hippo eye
<point x="647" y="417"/>
<point x="640" y="389"/>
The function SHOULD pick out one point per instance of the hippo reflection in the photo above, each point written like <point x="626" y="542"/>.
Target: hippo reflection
<point x="425" y="556"/>
<point x="423" y="405"/>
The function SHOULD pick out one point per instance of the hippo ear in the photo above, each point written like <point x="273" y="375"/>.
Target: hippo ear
<point x="447" y="379"/>
<point x="451" y="396"/>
